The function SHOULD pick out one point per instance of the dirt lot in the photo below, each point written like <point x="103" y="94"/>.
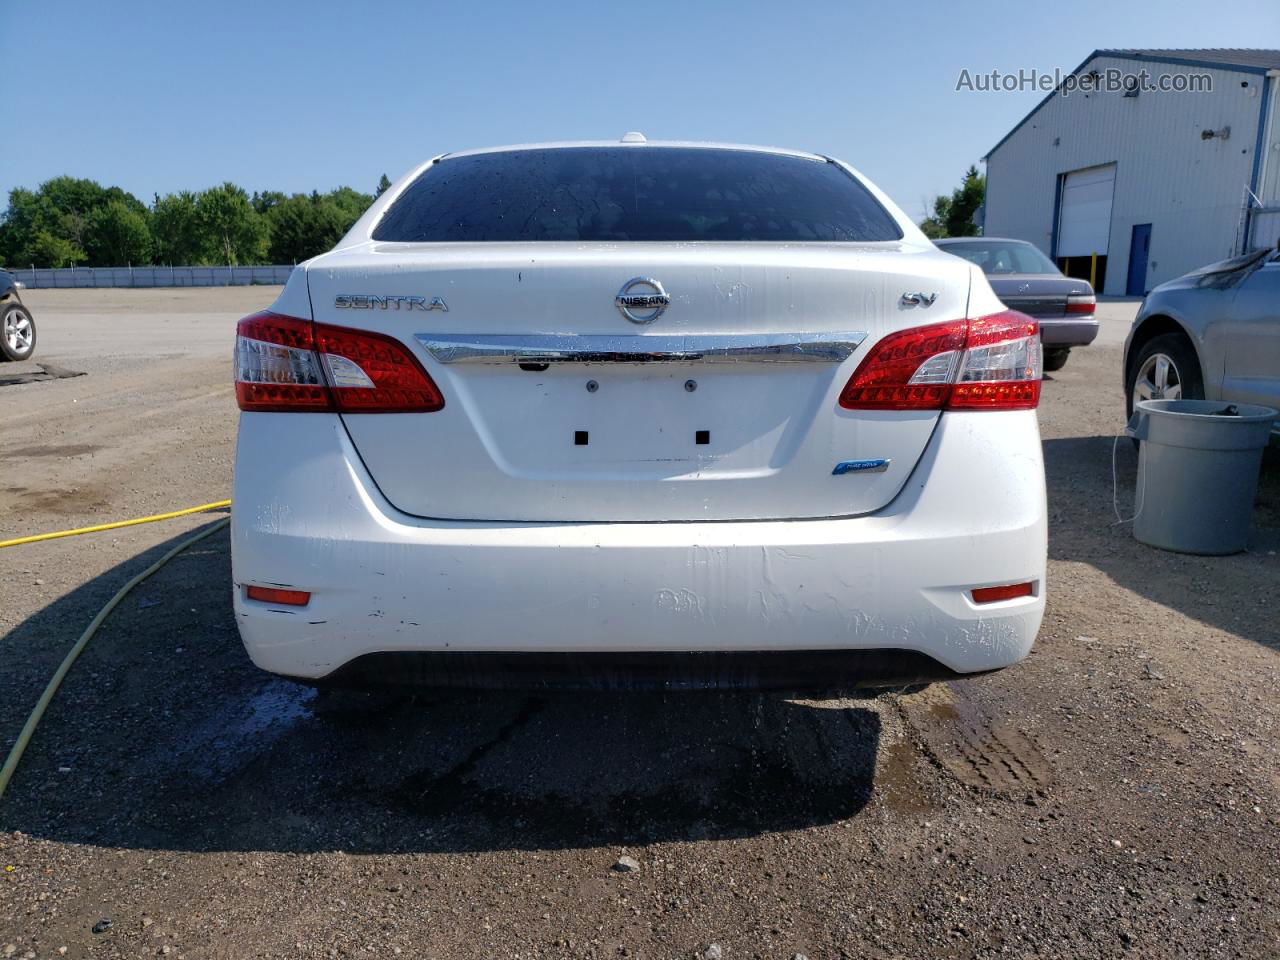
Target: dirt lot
<point x="1118" y="794"/>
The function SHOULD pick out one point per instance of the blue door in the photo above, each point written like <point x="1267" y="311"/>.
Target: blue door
<point x="1139" y="249"/>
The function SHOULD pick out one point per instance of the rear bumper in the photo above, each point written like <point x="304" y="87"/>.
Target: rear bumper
<point x="1069" y="331"/>
<point x="308" y="516"/>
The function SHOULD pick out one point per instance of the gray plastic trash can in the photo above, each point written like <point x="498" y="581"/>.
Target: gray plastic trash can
<point x="1198" y="467"/>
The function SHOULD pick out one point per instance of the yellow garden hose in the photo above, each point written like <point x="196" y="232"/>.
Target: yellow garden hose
<point x="24" y="738"/>
<point x="112" y="526"/>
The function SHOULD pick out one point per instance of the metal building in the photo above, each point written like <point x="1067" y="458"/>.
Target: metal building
<point x="1144" y="164"/>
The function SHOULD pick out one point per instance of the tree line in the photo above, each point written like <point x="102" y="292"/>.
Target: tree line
<point x="69" y="221"/>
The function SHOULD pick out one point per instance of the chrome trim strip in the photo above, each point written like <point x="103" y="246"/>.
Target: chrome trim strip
<point x="609" y="348"/>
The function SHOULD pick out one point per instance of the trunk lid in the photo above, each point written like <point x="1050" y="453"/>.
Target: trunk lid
<point x="724" y="407"/>
<point x="1042" y="297"/>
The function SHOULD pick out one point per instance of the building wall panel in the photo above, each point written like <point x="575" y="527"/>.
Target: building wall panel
<point x="1190" y="189"/>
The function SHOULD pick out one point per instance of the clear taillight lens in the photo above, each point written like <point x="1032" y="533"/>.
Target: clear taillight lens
<point x="1082" y="303"/>
<point x="987" y="363"/>
<point x="1002" y="366"/>
<point x="285" y="364"/>
<point x="277" y="367"/>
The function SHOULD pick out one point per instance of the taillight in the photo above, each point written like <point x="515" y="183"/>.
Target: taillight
<point x="908" y="370"/>
<point x="277" y="367"/>
<point x="1002" y="364"/>
<point x="372" y="373"/>
<point x="987" y="363"/>
<point x="1082" y="303"/>
<point x="285" y="364"/>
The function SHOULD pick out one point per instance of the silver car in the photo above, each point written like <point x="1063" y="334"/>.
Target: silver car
<point x="1213" y="334"/>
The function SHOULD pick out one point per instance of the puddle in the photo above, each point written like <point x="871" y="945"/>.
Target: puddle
<point x="976" y="750"/>
<point x="594" y="768"/>
<point x="237" y="729"/>
<point x="897" y="785"/>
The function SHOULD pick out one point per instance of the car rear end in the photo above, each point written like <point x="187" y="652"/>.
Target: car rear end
<point x="640" y="415"/>
<point x="1065" y="308"/>
<point x="1027" y="281"/>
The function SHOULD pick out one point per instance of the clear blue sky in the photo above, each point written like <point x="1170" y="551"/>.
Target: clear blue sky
<point x="162" y="96"/>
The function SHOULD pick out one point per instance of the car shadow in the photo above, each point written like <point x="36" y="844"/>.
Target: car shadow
<point x="1222" y="592"/>
<point x="165" y="736"/>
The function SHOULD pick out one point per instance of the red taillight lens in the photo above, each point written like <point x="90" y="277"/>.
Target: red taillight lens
<point x="988" y="363"/>
<point x="285" y="364"/>
<point x="372" y="373"/>
<point x="908" y="370"/>
<point x="1082" y="303"/>
<point x="288" y="598"/>
<point x="996" y="594"/>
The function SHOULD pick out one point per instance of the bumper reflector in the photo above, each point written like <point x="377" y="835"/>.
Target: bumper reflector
<point x="996" y="594"/>
<point x="290" y="598"/>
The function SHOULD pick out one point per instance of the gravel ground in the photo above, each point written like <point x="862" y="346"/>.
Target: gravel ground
<point x="1117" y="794"/>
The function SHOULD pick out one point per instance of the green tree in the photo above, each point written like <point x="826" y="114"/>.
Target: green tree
<point x="953" y="216"/>
<point x="383" y="186"/>
<point x="264" y="201"/>
<point x="305" y="226"/>
<point x="22" y="220"/>
<point x="70" y="220"/>
<point x="301" y="227"/>
<point x="67" y="219"/>
<point x="46" y="249"/>
<point x="71" y="200"/>
<point x="351" y="204"/>
<point x="175" y="227"/>
<point x="118" y="233"/>
<point x="232" y="232"/>
<point x="934" y="225"/>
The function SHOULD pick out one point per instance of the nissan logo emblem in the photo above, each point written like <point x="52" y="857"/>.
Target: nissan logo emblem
<point x="642" y="300"/>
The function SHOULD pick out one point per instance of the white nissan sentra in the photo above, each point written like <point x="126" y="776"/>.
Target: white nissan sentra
<point x="637" y="414"/>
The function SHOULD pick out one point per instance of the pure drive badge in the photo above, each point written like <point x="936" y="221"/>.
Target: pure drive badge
<point x="371" y="301"/>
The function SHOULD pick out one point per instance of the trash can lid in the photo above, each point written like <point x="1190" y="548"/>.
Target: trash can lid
<point x="1210" y="410"/>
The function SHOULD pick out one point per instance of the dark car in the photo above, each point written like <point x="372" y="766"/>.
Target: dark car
<point x="1025" y="279"/>
<point x="17" y="329"/>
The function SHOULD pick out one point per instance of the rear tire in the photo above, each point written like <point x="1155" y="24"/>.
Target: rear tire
<point x="1055" y="358"/>
<point x="1166" y="368"/>
<point x="17" y="332"/>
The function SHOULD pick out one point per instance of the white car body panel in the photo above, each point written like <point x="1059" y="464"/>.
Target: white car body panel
<point x="505" y="436"/>
<point x="468" y="529"/>
<point x="385" y="581"/>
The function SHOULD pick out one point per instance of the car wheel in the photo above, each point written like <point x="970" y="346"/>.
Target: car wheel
<point x="1055" y="358"/>
<point x="17" y="333"/>
<point x="1166" y="369"/>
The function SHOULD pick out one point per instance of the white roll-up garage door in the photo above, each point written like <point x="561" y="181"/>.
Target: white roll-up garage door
<point x="1084" y="222"/>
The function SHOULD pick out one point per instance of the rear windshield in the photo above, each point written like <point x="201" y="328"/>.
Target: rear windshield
<point x="634" y="193"/>
<point x="1003" y="256"/>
